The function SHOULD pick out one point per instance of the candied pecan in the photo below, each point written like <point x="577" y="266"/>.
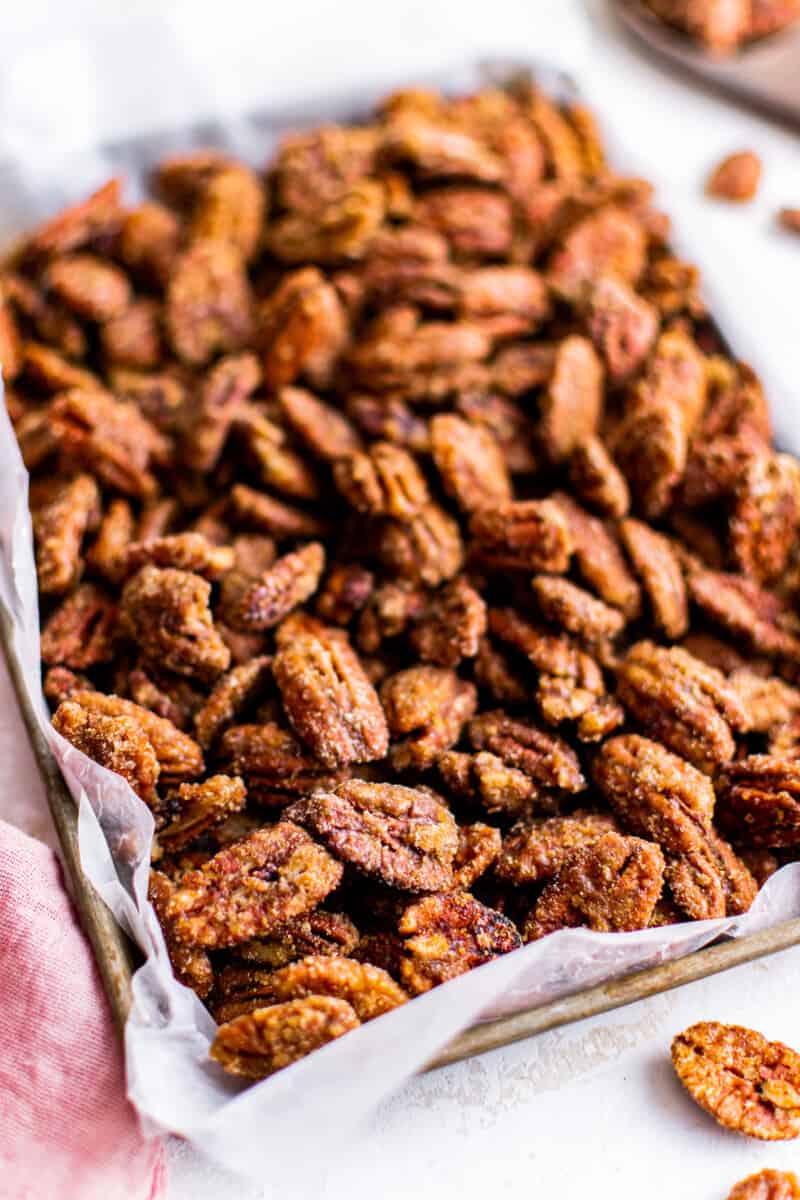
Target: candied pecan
<point x="660" y="796"/>
<point x="765" y="515"/>
<point x="535" y="850"/>
<point x="78" y="224"/>
<point x="60" y="683"/>
<point x="231" y="695"/>
<point x="545" y="758"/>
<point x="478" y="847"/>
<point x="303" y="328"/>
<point x="425" y="549"/>
<point x="682" y="702"/>
<point x="758" y="801"/>
<point x="117" y="743"/>
<point x="622" y="326"/>
<point x="89" y="286"/>
<point x="184" y="551"/>
<point x="345" y="590"/>
<point x="260" y="1043"/>
<point x="403" y="836"/>
<point x="148" y="242"/>
<point x="165" y="611"/>
<point x="571" y="405"/>
<point x="252" y="887"/>
<point x="279" y="465"/>
<point x="230" y="208"/>
<point x="191" y="965"/>
<point x="609" y="242"/>
<point x="744" y="610"/>
<point x="451" y="625"/>
<point x="449" y="934"/>
<point x="428" y="707"/>
<point x="736" y="178"/>
<point x="599" y="558"/>
<point x="660" y="571"/>
<point x="436" y="151"/>
<point x="264" y="601"/>
<point x="746" y="1083"/>
<point x="650" y="448"/>
<point x="370" y="990"/>
<point x="108" y="437"/>
<point x="274" y="765"/>
<point x="789" y="219"/>
<point x="486" y="779"/>
<point x="107" y="554"/>
<point x="610" y="884"/>
<point x="390" y="611"/>
<point x="770" y="703"/>
<point x="522" y="534"/>
<point x="208" y="307"/>
<point x="318" y="165"/>
<point x="133" y="337"/>
<point x="495" y="672"/>
<point x="508" y="300"/>
<point x="767" y="1185"/>
<point x="328" y="698"/>
<point x="191" y="809"/>
<point x="398" y="347"/>
<point x="52" y="372"/>
<point x="172" y="698"/>
<point x="476" y="222"/>
<point x="575" y="610"/>
<point x="382" y="481"/>
<point x="337" y="231"/>
<point x="257" y="510"/>
<point x="470" y="462"/>
<point x="596" y="478"/>
<point x="59" y="528"/>
<point x="324" y="430"/>
<point x="317" y="932"/>
<point x="79" y="632"/>
<point x="547" y="652"/>
<point x="220" y="397"/>
<point x="49" y="320"/>
<point x="675" y="375"/>
<point x="179" y="756"/>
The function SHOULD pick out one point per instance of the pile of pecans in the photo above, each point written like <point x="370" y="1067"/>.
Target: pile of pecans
<point x="722" y="26"/>
<point x="408" y="541"/>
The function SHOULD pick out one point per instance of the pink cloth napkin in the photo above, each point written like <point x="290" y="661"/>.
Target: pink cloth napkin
<point x="67" y="1131"/>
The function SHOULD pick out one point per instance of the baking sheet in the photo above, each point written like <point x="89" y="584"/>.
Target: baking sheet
<point x="263" y="1131"/>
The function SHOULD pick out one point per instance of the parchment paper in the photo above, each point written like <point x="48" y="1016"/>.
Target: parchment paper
<point x="279" y="1130"/>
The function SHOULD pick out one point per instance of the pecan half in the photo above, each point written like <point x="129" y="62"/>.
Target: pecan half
<point x="748" y="1084"/>
<point x="758" y="801"/>
<point x="449" y="934"/>
<point x="166" y="612"/>
<point x="682" y="702"/>
<point x="403" y="836"/>
<point x="328" y="698"/>
<point x="610" y="884"/>
<point x="660" y="796"/>
<point x="427" y="707"/>
<point x="260" y="1043"/>
<point x="252" y="888"/>
<point x="534" y="851"/>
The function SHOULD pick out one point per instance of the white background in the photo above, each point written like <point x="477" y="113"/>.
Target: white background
<point x="593" y="1106"/>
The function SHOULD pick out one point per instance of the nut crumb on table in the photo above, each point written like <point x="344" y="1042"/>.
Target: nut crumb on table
<point x="409" y="542"/>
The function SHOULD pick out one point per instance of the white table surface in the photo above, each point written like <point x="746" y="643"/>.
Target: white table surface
<point x="595" y="1105"/>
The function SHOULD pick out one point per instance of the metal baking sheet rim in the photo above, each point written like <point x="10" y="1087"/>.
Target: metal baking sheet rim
<point x="115" y="954"/>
